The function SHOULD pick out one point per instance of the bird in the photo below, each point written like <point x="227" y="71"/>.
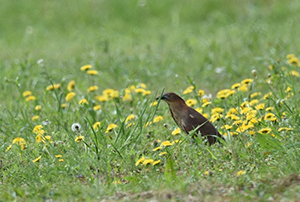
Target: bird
<point x="188" y="119"/>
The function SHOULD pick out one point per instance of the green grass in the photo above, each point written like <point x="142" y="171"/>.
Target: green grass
<point x="169" y="46"/>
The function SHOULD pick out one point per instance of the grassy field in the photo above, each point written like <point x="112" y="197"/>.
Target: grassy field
<point x="79" y="119"/>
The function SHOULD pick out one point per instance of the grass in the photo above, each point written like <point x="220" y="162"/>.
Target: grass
<point x="171" y="46"/>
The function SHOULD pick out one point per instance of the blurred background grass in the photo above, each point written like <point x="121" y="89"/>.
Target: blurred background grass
<point x="160" y="43"/>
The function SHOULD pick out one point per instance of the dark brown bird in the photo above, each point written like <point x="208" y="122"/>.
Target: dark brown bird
<point x="188" y="119"/>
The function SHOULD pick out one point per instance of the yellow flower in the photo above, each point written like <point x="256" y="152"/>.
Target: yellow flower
<point x="232" y="111"/>
<point x="39" y="138"/>
<point x="227" y="127"/>
<point x="142" y="85"/>
<point x="293" y="61"/>
<point x="155" y="162"/>
<point x="285" y="129"/>
<point x="215" y="117"/>
<point x="38" y="107"/>
<point x="30" y="98"/>
<point x="8" y="148"/>
<point x="243" y="88"/>
<point x="152" y="104"/>
<point x="92" y="72"/>
<point x="240" y="173"/>
<point x="48" y="137"/>
<point x="206" y="104"/>
<point x="85" y="67"/>
<point x="198" y="109"/>
<point x="235" y="86"/>
<point x="253" y="102"/>
<point x="51" y="87"/>
<point x="96" y="125"/>
<point x="288" y="89"/>
<point x="260" y="106"/>
<point x="27" y="93"/>
<point x="102" y="98"/>
<point x="294" y="73"/>
<point x="37" y="159"/>
<point x="54" y="86"/>
<point x="19" y="141"/>
<point x="176" y="131"/>
<point x="201" y="93"/>
<point x="79" y="138"/>
<point x="130" y="117"/>
<point x="148" y="161"/>
<point x="61" y="160"/>
<point x="162" y="153"/>
<point x="188" y="90"/>
<point x="71" y="85"/>
<point x="157" y="148"/>
<point x="247" y="81"/>
<point x="110" y="127"/>
<point x="141" y="160"/>
<point x="289" y="56"/>
<point x="92" y="88"/>
<point x="255" y="94"/>
<point x="268" y="109"/>
<point x="83" y="101"/>
<point x="217" y="110"/>
<point x="70" y="96"/>
<point x="64" y="105"/>
<point x="157" y="119"/>
<point x="266" y="96"/>
<point x="127" y="97"/>
<point x="191" y="102"/>
<point x="223" y="93"/>
<point x="270" y="117"/>
<point x="110" y="93"/>
<point x="37" y="129"/>
<point x="265" y="130"/>
<point x="146" y="92"/>
<point x="36" y="117"/>
<point x="96" y="107"/>
<point x="165" y="143"/>
<point x="139" y="90"/>
<point x="58" y="156"/>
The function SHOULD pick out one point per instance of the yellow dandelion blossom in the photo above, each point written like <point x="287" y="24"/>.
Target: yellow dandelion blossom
<point x="201" y="93"/>
<point x="198" y="109"/>
<point x="269" y="109"/>
<point x="71" y="85"/>
<point x="92" y="72"/>
<point x="235" y="86"/>
<point x="245" y="110"/>
<point x="70" y="96"/>
<point x="223" y="93"/>
<point x="38" y="107"/>
<point x="265" y="130"/>
<point x="293" y="61"/>
<point x="288" y="89"/>
<point x="191" y="102"/>
<point x="92" y="88"/>
<point x="240" y="173"/>
<point x="227" y="127"/>
<point x="79" y="138"/>
<point x="245" y="104"/>
<point x="162" y="153"/>
<point x="166" y="143"/>
<point x="141" y="160"/>
<point x="146" y="92"/>
<point x="127" y="97"/>
<point x="217" y="110"/>
<point x="57" y="85"/>
<point x="83" y="101"/>
<point x="289" y="56"/>
<point x="148" y="161"/>
<point x="37" y="159"/>
<point x="260" y="106"/>
<point x="155" y="162"/>
<point x="37" y="129"/>
<point x="243" y="88"/>
<point x="176" y="131"/>
<point x="157" y="119"/>
<point x="36" y="117"/>
<point x="58" y="156"/>
<point x="270" y="117"/>
<point x="294" y="73"/>
<point x="8" y="148"/>
<point x="96" y="125"/>
<point x="102" y="98"/>
<point x="247" y="81"/>
<point x="129" y="118"/>
<point x="253" y="95"/>
<point x="48" y="137"/>
<point x="64" y="105"/>
<point x="233" y="117"/>
<point x="139" y="90"/>
<point x="51" y="87"/>
<point x="253" y="102"/>
<point x="152" y="104"/>
<point x="285" y="129"/>
<point x="142" y="85"/>
<point x="206" y="104"/>
<point x="61" y="160"/>
<point x="110" y="93"/>
<point x="39" y="138"/>
<point x="110" y="127"/>
<point x="188" y="90"/>
<point x="97" y="107"/>
<point x="19" y="141"/>
<point x="232" y="111"/>
<point x="157" y="148"/>
<point x="27" y="93"/>
<point x="30" y="98"/>
<point x="216" y="117"/>
<point x="85" y="67"/>
<point x="206" y="115"/>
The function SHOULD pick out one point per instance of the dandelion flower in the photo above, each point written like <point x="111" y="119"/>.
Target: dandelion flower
<point x="79" y="138"/>
<point x="8" y="148"/>
<point x="83" y="101"/>
<point x="201" y="93"/>
<point x="30" y="98"/>
<point x="148" y="161"/>
<point x="127" y="97"/>
<point x="206" y="104"/>
<point x="110" y="127"/>
<point x="64" y="105"/>
<point x="235" y="86"/>
<point x="152" y="104"/>
<point x="38" y="107"/>
<point x="270" y="117"/>
<point x="141" y="160"/>
<point x="130" y="117"/>
<point x="27" y="93"/>
<point x="37" y="159"/>
<point x="96" y="125"/>
<point x="247" y="81"/>
<point x="36" y="117"/>
<point x="176" y="131"/>
<point x="260" y="106"/>
<point x="70" y="96"/>
<point x="58" y="156"/>
<point x="157" y="119"/>
<point x="253" y="95"/>
<point x="85" y="67"/>
<point x="191" y="102"/>
<point x="265" y="130"/>
<point x="96" y="107"/>
<point x="61" y="160"/>
<point x="165" y="143"/>
<point x="217" y="110"/>
<point x="71" y="85"/>
<point x="157" y="148"/>
<point x="240" y="173"/>
<point x="92" y="72"/>
<point x="243" y="88"/>
<point x="162" y="153"/>
<point x="19" y="141"/>
<point x="92" y="88"/>
<point x="155" y="162"/>
<point x="285" y="129"/>
<point x="188" y="90"/>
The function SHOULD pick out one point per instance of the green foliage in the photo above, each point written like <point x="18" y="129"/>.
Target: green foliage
<point x="106" y="137"/>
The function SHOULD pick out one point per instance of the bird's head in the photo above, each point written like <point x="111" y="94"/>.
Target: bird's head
<point x="171" y="98"/>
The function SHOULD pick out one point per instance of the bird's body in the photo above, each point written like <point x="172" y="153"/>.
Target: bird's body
<point x="188" y="119"/>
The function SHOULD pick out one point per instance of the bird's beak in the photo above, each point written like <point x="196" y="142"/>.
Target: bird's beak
<point x="161" y="97"/>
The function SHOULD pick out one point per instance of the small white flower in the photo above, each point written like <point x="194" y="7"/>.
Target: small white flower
<point x="76" y="127"/>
